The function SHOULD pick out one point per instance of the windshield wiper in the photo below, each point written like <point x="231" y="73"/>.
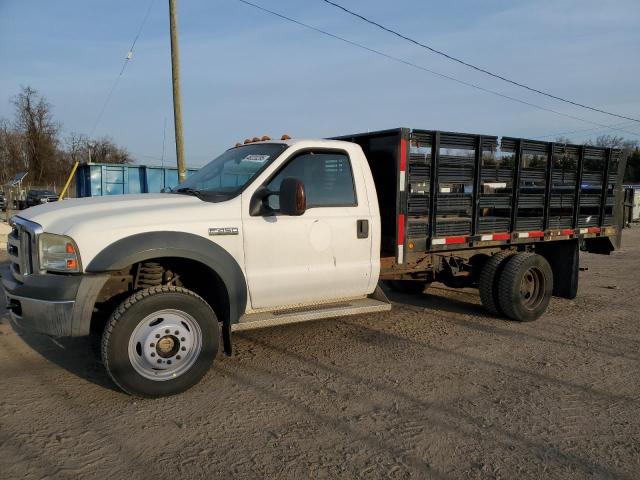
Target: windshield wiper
<point x="190" y="191"/>
<point x="206" y="195"/>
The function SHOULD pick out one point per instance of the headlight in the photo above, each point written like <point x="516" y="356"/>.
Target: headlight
<point x="58" y="253"/>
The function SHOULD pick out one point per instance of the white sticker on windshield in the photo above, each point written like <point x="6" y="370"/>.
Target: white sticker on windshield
<point x="256" y="158"/>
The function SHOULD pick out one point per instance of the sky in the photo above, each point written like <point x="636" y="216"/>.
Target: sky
<point x="246" y="73"/>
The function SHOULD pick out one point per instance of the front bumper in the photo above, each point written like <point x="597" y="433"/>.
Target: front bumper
<point x="56" y="305"/>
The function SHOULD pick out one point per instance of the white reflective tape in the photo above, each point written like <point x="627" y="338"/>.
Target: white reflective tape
<point x="402" y="174"/>
<point x="584" y="230"/>
<point x="400" y="253"/>
<point x="523" y="235"/>
<point x="438" y="241"/>
<point x="486" y="238"/>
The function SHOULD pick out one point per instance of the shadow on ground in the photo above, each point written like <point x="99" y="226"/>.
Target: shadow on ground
<point x="80" y="356"/>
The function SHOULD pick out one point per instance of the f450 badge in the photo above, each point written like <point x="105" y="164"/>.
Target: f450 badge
<point x="223" y="231"/>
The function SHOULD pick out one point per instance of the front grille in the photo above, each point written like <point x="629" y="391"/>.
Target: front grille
<point x="22" y="247"/>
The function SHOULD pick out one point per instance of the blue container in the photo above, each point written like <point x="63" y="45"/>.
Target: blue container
<point x="97" y="179"/>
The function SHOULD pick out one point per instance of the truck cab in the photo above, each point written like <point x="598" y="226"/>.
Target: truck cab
<point x="270" y="232"/>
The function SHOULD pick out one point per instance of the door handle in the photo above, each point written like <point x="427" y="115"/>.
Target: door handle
<point x="363" y="228"/>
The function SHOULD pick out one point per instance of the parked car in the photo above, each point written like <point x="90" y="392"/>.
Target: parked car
<point x="274" y="232"/>
<point x="38" y="197"/>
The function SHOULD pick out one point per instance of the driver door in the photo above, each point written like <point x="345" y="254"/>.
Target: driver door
<point x="318" y="256"/>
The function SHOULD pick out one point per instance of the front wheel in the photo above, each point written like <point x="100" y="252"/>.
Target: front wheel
<point x="160" y="341"/>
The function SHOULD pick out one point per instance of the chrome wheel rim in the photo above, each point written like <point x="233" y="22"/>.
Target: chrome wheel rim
<point x="165" y="344"/>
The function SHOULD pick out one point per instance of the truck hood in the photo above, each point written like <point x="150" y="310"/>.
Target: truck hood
<point x="96" y="222"/>
<point x="109" y="211"/>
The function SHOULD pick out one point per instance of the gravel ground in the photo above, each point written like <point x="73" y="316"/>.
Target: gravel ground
<point x="434" y="389"/>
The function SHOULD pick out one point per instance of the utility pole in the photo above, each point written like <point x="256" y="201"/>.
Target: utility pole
<point x="175" y="77"/>
<point x="90" y="146"/>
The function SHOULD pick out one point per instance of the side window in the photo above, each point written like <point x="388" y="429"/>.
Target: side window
<point x="327" y="179"/>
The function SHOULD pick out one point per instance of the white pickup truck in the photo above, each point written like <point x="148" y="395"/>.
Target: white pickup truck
<point x="272" y="232"/>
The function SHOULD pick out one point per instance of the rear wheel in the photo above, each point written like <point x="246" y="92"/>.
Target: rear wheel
<point x="488" y="283"/>
<point x="525" y="287"/>
<point x="160" y="341"/>
<point x="410" y="287"/>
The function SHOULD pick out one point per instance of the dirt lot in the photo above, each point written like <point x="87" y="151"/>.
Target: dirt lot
<point x="433" y="389"/>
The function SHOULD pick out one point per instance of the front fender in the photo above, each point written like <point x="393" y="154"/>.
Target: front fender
<point x="145" y="246"/>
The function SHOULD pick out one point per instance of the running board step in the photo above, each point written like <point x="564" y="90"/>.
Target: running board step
<point x="376" y="302"/>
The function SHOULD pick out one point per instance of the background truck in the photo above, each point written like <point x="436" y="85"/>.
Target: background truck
<point x="273" y="232"/>
<point x="38" y="196"/>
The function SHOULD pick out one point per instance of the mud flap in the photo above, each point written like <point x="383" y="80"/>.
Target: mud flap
<point x="599" y="245"/>
<point x="226" y="338"/>
<point x="564" y="258"/>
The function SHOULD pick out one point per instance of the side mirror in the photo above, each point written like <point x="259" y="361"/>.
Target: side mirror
<point x="257" y="204"/>
<point x="293" y="198"/>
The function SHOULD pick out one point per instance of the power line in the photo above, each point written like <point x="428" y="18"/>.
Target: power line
<point x="433" y="72"/>
<point x="128" y="57"/>
<point x="470" y="65"/>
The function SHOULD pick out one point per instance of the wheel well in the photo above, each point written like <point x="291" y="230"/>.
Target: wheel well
<point x="183" y="272"/>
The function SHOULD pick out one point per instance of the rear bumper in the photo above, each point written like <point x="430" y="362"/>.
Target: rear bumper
<point x="56" y="305"/>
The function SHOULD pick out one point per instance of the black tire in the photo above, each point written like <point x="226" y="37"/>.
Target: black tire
<point x="410" y="287"/>
<point x="120" y="333"/>
<point x="488" y="283"/>
<point x="525" y="287"/>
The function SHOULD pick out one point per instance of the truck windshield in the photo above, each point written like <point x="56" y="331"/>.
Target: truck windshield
<point x="226" y="176"/>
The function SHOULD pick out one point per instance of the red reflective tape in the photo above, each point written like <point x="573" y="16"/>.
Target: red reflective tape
<point x="593" y="230"/>
<point x="501" y="236"/>
<point x="403" y="155"/>
<point x="452" y="240"/>
<point x="567" y="232"/>
<point x="401" y="229"/>
<point x="536" y="234"/>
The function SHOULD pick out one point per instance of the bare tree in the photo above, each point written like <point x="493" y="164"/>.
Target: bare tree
<point x="614" y="141"/>
<point x="629" y="150"/>
<point x="563" y="140"/>
<point x="34" y="121"/>
<point x="79" y="148"/>
<point x="12" y="158"/>
<point x="76" y="147"/>
<point x="31" y="142"/>
<point x="104" y="150"/>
